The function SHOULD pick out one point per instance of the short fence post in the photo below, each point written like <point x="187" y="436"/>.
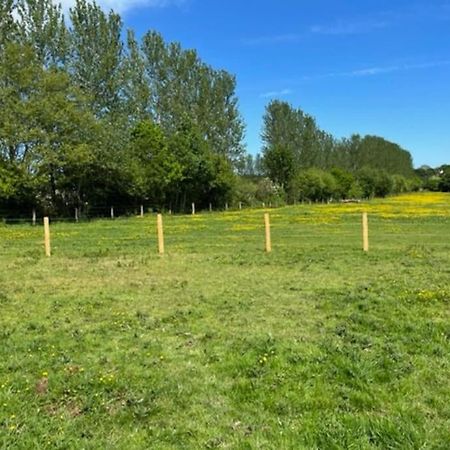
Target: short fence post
<point x="33" y="219"/>
<point x="210" y="207"/>
<point x="193" y="208"/>
<point x="267" y="227"/>
<point x="160" y="234"/>
<point x="365" y="232"/>
<point x="142" y="210"/>
<point x="76" y="214"/>
<point x="240" y="205"/>
<point x="226" y="206"/>
<point x="112" y="212"/>
<point x="47" y="237"/>
<point x="263" y="205"/>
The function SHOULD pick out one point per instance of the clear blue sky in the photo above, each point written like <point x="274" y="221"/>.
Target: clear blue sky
<point x="359" y="66"/>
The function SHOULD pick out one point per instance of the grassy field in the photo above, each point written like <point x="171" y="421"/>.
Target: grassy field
<point x="317" y="345"/>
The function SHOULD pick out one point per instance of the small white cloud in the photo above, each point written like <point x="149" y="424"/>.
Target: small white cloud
<point x="379" y="70"/>
<point x="276" y="93"/>
<point x="398" y="68"/>
<point x="370" y="71"/>
<point x="343" y="28"/>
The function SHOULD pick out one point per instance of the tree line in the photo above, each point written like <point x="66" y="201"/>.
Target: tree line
<point x="435" y="179"/>
<point x="90" y="118"/>
<point x="310" y="164"/>
<point x="90" y="115"/>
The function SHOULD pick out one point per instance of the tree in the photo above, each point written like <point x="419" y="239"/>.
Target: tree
<point x="279" y="164"/>
<point x="96" y="57"/>
<point x="42" y="27"/>
<point x="46" y="129"/>
<point x="152" y="167"/>
<point x="181" y="84"/>
<point x="136" y="86"/>
<point x="292" y="142"/>
<point x="444" y="183"/>
<point x="344" y="182"/>
<point x="205" y="176"/>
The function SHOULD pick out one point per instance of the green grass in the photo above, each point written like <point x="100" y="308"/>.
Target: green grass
<point x="219" y="345"/>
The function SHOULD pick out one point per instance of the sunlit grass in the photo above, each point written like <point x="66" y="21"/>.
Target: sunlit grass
<point x="219" y="345"/>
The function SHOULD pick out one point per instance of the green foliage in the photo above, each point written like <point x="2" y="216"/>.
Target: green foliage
<point x="269" y="192"/>
<point x="41" y="26"/>
<point x="345" y="181"/>
<point x="444" y="183"/>
<point x="292" y="142"/>
<point x="182" y="85"/>
<point x="93" y="120"/>
<point x="245" y="191"/>
<point x="374" y="183"/>
<point x="376" y="153"/>
<point x="96" y="56"/>
<point x="152" y="168"/>
<point x="279" y="163"/>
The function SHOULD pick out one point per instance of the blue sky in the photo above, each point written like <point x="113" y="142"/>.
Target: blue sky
<point x="366" y="66"/>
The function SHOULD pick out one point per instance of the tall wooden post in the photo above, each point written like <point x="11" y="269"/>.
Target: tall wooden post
<point x="365" y="232"/>
<point x="160" y="234"/>
<point x="268" y="238"/>
<point x="47" y="237"/>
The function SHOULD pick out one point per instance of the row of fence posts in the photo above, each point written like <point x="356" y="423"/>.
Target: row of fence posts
<point x="160" y="233"/>
<point x="141" y="214"/>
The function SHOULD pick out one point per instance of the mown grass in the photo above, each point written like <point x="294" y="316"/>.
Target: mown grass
<point x="219" y="345"/>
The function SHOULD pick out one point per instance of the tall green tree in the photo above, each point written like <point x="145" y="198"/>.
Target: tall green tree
<point x="42" y="27"/>
<point x="181" y="84"/>
<point x="152" y="167"/>
<point x="96" y="57"/>
<point x="136" y="86"/>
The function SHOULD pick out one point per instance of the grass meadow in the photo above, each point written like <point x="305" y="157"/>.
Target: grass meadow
<point x="216" y="344"/>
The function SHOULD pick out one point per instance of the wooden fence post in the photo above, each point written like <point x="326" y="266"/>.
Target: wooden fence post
<point x="365" y="232"/>
<point x="47" y="237"/>
<point x="160" y="234"/>
<point x="226" y="206"/>
<point x="240" y="205"/>
<point x="112" y="212"/>
<point x="193" y="208"/>
<point x="267" y="227"/>
<point x="142" y="210"/>
<point x="76" y="214"/>
<point x="33" y="218"/>
<point x="210" y="207"/>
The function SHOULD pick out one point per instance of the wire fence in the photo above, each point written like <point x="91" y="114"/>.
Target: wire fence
<point x="228" y="233"/>
<point x="88" y="213"/>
